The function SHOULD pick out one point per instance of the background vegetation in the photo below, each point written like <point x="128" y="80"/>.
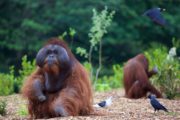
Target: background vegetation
<point x="26" y="26"/>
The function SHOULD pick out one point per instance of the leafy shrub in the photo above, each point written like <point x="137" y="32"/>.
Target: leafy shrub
<point x="168" y="78"/>
<point x="27" y="68"/>
<point x="88" y="66"/>
<point x="82" y="52"/>
<point x="9" y="83"/>
<point x="3" y="105"/>
<point x="100" y="22"/>
<point x="6" y="84"/>
<point x="112" y="81"/>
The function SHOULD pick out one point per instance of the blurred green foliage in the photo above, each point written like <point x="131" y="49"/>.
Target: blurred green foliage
<point x="108" y="81"/>
<point x="3" y="105"/>
<point x="168" y="78"/>
<point x="9" y="83"/>
<point x="82" y="52"/>
<point x="22" y="111"/>
<point x="101" y="21"/>
<point x="27" y="68"/>
<point x="26" y="25"/>
<point x="113" y="81"/>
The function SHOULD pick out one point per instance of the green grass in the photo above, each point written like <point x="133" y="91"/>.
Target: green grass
<point x="22" y="111"/>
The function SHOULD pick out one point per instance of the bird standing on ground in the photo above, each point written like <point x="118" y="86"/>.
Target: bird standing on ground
<point x="155" y="15"/>
<point x="104" y="103"/>
<point x="155" y="104"/>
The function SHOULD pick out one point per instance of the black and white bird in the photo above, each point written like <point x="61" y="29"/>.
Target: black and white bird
<point x="155" y="15"/>
<point x="104" y="103"/>
<point x="155" y="104"/>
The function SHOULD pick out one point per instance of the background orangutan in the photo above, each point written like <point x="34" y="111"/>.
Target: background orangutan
<point x="60" y="85"/>
<point x="136" y="78"/>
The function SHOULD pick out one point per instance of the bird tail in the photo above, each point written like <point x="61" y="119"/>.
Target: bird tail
<point x="104" y="103"/>
<point x="165" y="110"/>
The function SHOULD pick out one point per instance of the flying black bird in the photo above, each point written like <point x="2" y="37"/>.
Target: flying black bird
<point x="104" y="103"/>
<point x="155" y="15"/>
<point x="155" y="103"/>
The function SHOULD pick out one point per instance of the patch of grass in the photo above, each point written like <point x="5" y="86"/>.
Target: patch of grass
<point x="3" y="105"/>
<point x="173" y="113"/>
<point x="22" y="111"/>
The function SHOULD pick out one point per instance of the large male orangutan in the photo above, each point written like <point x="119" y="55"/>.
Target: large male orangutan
<point x="136" y="78"/>
<point x="59" y="86"/>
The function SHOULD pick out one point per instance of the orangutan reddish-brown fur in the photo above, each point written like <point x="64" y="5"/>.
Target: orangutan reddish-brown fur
<point x="60" y="86"/>
<point x="136" y="78"/>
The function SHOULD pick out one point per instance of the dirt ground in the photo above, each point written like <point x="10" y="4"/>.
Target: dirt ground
<point x="121" y="109"/>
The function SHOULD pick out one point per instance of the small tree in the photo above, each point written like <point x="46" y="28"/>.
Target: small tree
<point x="101" y="21"/>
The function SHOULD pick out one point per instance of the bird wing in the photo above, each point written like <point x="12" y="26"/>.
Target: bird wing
<point x="155" y="103"/>
<point x="159" y="19"/>
<point x="102" y="104"/>
<point x="155" y="16"/>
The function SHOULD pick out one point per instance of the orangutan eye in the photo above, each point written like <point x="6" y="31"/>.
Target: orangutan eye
<point x="55" y="52"/>
<point x="48" y="52"/>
